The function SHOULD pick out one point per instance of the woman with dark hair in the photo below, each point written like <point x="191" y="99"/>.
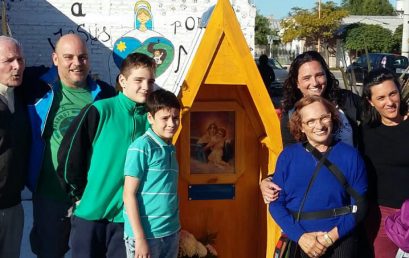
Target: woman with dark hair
<point x="309" y="206"/>
<point x="385" y="146"/>
<point x="309" y="75"/>
<point x="374" y="116"/>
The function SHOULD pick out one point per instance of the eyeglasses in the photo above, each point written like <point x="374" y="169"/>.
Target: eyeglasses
<point x="324" y="119"/>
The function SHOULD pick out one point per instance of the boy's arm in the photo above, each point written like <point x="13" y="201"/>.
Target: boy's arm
<point x="74" y="153"/>
<point x="131" y="206"/>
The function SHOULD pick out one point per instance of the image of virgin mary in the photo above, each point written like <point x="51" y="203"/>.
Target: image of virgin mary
<point x="143" y="39"/>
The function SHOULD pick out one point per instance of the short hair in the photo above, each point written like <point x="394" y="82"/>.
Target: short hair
<point x="72" y="36"/>
<point x="161" y="99"/>
<point x="12" y="40"/>
<point x="376" y="77"/>
<point x="291" y="93"/>
<point x="136" y="60"/>
<point x="295" y="123"/>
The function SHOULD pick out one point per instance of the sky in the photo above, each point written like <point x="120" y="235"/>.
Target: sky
<point x="280" y="8"/>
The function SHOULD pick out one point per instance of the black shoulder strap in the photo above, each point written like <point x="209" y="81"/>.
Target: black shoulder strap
<point x="336" y="172"/>
<point x="314" y="175"/>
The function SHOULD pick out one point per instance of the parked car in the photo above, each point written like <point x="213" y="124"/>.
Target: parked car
<point x="395" y="63"/>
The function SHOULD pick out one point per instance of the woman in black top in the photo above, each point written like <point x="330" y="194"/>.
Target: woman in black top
<point x="385" y="147"/>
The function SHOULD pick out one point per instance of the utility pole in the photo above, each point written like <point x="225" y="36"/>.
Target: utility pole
<point x="405" y="32"/>
<point x="319" y="17"/>
<point x="270" y="42"/>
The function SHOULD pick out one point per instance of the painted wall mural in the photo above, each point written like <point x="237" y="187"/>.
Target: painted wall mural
<point x="144" y="39"/>
<point x="169" y="31"/>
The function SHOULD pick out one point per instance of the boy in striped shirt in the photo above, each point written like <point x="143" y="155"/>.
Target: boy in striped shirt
<point x="151" y="211"/>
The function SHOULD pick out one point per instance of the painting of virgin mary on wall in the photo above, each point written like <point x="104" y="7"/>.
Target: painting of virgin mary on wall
<point x="212" y="142"/>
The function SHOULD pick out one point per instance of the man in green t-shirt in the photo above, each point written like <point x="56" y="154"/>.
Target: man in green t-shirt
<point x="55" y="100"/>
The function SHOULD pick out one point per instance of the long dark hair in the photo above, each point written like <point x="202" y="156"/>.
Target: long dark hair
<point x="291" y="93"/>
<point x="376" y="77"/>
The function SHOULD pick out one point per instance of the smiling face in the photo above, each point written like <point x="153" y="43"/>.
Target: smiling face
<point x="138" y="84"/>
<point x="143" y="17"/>
<point x="11" y="63"/>
<point x="311" y="79"/>
<point x="385" y="99"/>
<point x="316" y="124"/>
<point x="71" y="59"/>
<point x="165" y="122"/>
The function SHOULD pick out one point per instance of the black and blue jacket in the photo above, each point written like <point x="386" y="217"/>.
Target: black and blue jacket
<point x="39" y="96"/>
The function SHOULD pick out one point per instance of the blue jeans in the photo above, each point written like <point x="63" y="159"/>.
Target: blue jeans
<point x="163" y="247"/>
<point x="97" y="238"/>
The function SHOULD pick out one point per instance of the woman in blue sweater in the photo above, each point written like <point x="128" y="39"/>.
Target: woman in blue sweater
<point x="324" y="234"/>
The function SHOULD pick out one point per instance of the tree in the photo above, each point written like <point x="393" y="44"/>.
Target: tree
<point x="352" y="6"/>
<point x="304" y="24"/>
<point x="397" y="40"/>
<point x="368" y="7"/>
<point x="262" y="30"/>
<point x="373" y="37"/>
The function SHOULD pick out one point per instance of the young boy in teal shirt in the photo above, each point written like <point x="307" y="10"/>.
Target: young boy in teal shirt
<point x="151" y="177"/>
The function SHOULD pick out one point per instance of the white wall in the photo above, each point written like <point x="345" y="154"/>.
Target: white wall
<point x="37" y="24"/>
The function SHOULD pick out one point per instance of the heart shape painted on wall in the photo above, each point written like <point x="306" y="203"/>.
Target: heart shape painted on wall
<point x="159" y="48"/>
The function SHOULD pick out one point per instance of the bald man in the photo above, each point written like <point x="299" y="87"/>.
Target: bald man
<point x="14" y="142"/>
<point x="55" y="101"/>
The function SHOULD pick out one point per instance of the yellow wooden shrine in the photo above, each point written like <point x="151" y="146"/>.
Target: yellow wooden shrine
<point x="224" y="89"/>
